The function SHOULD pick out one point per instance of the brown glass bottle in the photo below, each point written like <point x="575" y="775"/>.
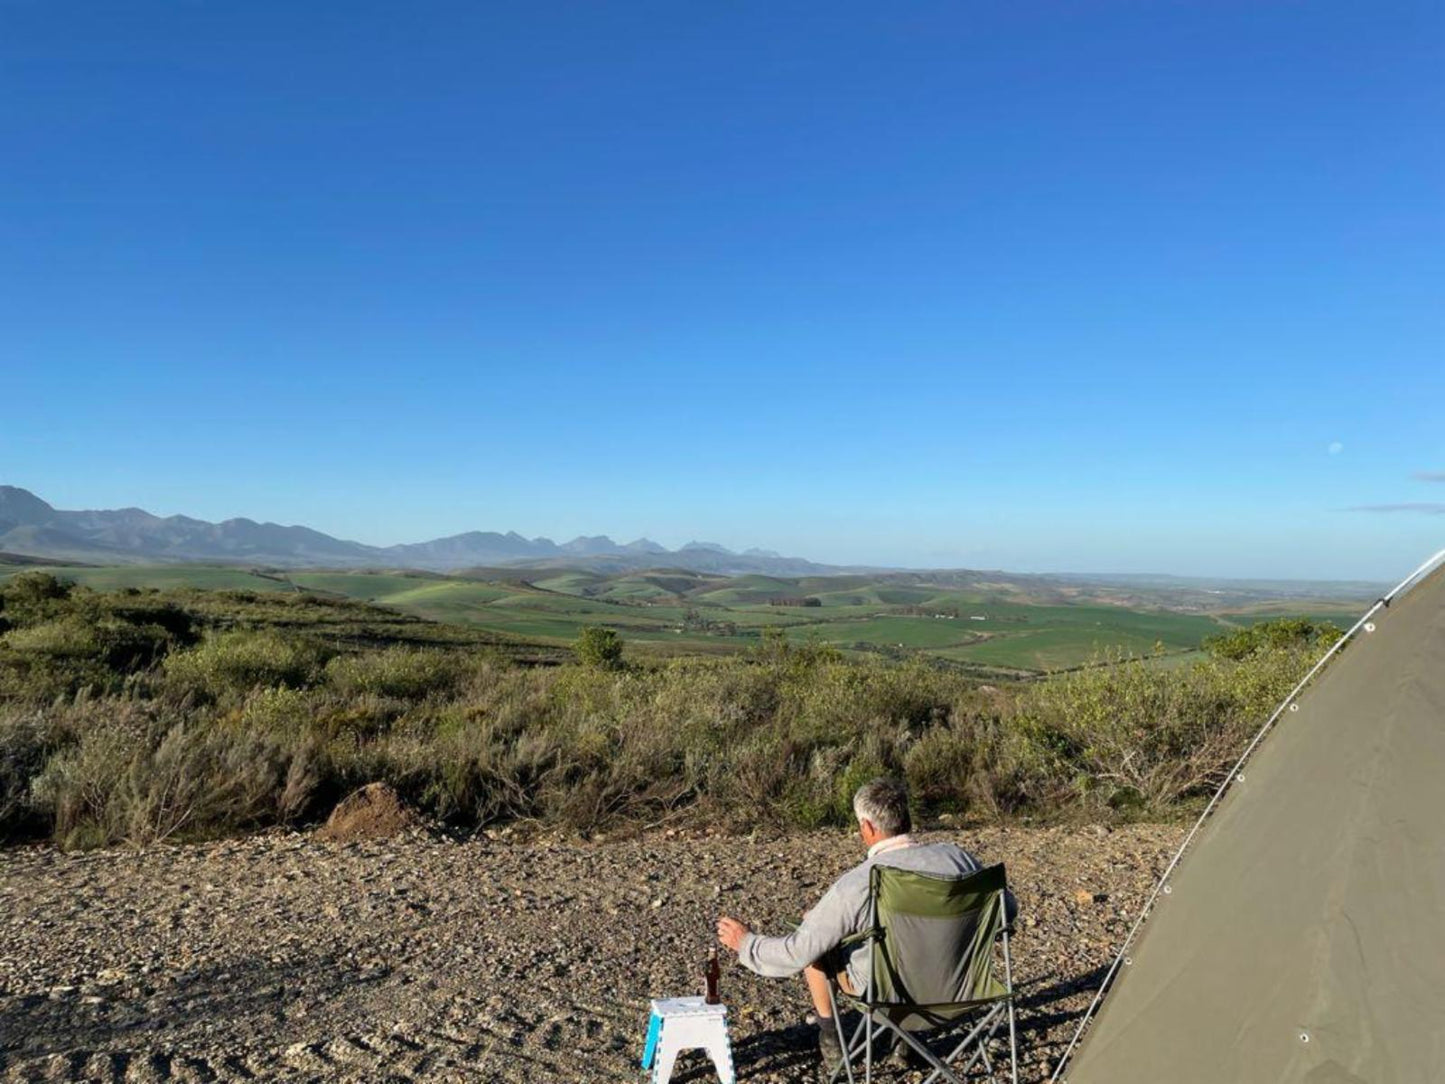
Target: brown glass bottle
<point x="710" y="975"/>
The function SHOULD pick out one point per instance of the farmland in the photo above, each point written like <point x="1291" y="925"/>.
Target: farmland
<point x="990" y="623"/>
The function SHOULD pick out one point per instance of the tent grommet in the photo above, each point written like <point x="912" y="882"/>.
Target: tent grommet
<point x="1294" y="706"/>
<point x="1369" y="626"/>
<point x="1304" y="1036"/>
<point x="1168" y="889"/>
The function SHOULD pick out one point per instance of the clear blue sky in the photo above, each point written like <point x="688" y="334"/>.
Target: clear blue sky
<point x="1134" y="286"/>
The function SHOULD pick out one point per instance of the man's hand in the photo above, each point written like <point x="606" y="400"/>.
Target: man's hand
<point x="730" y="933"/>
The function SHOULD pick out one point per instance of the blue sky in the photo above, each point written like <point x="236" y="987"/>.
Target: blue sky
<point x="1095" y="287"/>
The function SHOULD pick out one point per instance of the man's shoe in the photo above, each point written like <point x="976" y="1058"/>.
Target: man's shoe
<point x="897" y="1056"/>
<point x="902" y="1056"/>
<point x="829" y="1048"/>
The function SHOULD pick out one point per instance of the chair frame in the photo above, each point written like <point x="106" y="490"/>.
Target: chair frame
<point x="875" y="1012"/>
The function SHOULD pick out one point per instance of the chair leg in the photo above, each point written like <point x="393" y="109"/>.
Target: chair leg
<point x="1013" y="1047"/>
<point x="851" y="1049"/>
<point x="987" y="1063"/>
<point x="855" y="1044"/>
<point x="940" y="1068"/>
<point x="847" y="1066"/>
<point x="868" y="1051"/>
<point x="975" y="1033"/>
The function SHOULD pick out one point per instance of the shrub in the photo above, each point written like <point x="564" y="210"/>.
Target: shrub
<point x="599" y="647"/>
<point x="136" y="780"/>
<point x="277" y="710"/>
<point x="33" y="596"/>
<point x="241" y="660"/>
<point x="405" y="672"/>
<point x="1285" y="633"/>
<point x="115" y="644"/>
<point x="24" y="746"/>
<point x="1137" y="736"/>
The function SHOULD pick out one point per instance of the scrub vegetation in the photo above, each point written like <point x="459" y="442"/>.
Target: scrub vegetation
<point x="148" y="715"/>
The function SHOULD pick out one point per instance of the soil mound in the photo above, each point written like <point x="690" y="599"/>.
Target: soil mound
<point x="373" y="812"/>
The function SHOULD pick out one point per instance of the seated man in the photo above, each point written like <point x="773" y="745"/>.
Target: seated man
<point x="883" y="822"/>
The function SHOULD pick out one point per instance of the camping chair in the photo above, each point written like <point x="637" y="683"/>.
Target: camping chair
<point x="932" y="943"/>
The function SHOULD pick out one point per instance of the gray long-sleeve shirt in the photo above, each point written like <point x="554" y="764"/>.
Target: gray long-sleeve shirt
<point x="843" y="911"/>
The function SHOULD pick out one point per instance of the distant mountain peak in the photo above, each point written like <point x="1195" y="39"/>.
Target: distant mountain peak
<point x="21" y="506"/>
<point x="590" y="544"/>
<point x="31" y="527"/>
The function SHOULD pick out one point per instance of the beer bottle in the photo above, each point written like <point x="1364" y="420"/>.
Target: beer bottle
<point x="710" y="975"/>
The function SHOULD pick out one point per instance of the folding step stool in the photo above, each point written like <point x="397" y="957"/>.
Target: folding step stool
<point x="686" y="1023"/>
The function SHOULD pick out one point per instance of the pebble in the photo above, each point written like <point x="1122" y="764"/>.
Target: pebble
<point x="418" y="959"/>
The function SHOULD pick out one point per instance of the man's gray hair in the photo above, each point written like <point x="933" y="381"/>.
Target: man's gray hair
<point x="884" y="803"/>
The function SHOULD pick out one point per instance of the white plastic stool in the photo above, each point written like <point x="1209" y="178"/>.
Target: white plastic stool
<point x="686" y="1023"/>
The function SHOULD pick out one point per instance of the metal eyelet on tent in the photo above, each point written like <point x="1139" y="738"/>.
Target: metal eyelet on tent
<point x="1128" y="960"/>
<point x="1168" y="889"/>
<point x="1294" y="707"/>
<point x="1304" y="1036"/>
<point x="1239" y="778"/>
<point x="1369" y="626"/>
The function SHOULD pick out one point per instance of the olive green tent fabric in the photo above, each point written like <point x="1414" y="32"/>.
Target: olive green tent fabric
<point x="1303" y="938"/>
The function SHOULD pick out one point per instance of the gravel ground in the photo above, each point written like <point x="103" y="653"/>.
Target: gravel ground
<point x="284" y="958"/>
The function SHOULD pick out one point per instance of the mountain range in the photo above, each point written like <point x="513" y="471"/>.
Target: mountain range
<point x="31" y="527"/>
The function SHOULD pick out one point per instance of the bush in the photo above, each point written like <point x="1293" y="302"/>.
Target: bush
<point x="24" y="747"/>
<point x="135" y="780"/>
<point x="599" y="647"/>
<point x="115" y="644"/>
<point x="1136" y="736"/>
<point x="32" y="596"/>
<point x="405" y="672"/>
<point x="241" y="660"/>
<point x="1292" y="633"/>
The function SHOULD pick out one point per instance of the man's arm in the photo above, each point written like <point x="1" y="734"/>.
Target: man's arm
<point x="824" y="927"/>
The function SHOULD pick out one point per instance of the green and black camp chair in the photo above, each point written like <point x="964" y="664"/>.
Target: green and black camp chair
<point x="932" y="940"/>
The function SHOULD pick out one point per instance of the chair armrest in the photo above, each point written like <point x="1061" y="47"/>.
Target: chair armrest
<point x="852" y="939"/>
<point x="860" y="937"/>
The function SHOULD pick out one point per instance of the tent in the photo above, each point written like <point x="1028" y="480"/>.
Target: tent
<point x="1303" y="939"/>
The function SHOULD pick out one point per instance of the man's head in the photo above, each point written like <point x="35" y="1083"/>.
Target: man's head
<point x="882" y="810"/>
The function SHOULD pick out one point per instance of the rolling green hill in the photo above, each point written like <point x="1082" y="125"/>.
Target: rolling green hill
<point x="979" y="621"/>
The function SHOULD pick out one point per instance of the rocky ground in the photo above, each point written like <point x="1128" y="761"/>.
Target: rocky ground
<point x="287" y="958"/>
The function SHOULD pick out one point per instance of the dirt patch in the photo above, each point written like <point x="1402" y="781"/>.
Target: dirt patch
<point x="421" y="958"/>
<point x="373" y="812"/>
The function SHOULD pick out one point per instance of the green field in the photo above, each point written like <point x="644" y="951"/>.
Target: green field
<point x="161" y="577"/>
<point x="671" y="612"/>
